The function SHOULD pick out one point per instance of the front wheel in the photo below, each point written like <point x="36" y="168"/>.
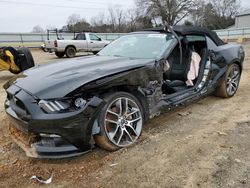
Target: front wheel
<point x="120" y="121"/>
<point x="230" y="82"/>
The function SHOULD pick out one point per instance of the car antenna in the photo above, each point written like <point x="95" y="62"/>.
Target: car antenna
<point x="170" y="29"/>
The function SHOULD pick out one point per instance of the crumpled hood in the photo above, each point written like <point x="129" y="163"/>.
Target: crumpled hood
<point x="56" y="80"/>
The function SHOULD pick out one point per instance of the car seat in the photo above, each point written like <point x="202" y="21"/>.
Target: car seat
<point x="176" y="76"/>
<point x="177" y="85"/>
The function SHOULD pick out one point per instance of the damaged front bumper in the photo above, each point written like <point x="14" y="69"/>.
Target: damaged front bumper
<point x="43" y="135"/>
<point x="46" y="146"/>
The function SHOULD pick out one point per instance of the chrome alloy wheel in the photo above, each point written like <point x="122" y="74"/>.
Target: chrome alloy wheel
<point x="233" y="80"/>
<point x="123" y="122"/>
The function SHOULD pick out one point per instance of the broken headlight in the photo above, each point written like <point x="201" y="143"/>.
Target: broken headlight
<point x="60" y="106"/>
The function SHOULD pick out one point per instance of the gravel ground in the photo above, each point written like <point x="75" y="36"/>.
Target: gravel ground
<point x="205" y="144"/>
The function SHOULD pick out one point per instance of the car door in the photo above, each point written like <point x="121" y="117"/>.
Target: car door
<point x="95" y="43"/>
<point x="81" y="42"/>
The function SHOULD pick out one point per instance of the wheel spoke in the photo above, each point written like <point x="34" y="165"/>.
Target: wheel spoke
<point x="112" y="134"/>
<point x="232" y="73"/>
<point x="236" y="79"/>
<point x="111" y="121"/>
<point x="134" y="120"/>
<point x="234" y="86"/>
<point x="126" y="106"/>
<point x="128" y="135"/>
<point x="235" y="76"/>
<point x="135" y="111"/>
<point x="230" y="89"/>
<point x="119" y="140"/>
<point x="120" y="107"/>
<point x="111" y="112"/>
<point x="123" y="106"/>
<point x="132" y="128"/>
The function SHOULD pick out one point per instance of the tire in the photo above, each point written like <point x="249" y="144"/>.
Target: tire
<point x="119" y="128"/>
<point x="70" y="52"/>
<point x="60" y="54"/>
<point x="25" y="60"/>
<point x="230" y="82"/>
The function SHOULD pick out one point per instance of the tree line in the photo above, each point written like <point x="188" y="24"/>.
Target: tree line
<point x="212" y="14"/>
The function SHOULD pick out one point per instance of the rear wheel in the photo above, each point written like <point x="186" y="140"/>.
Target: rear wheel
<point x="60" y="54"/>
<point x="120" y="121"/>
<point x="230" y="82"/>
<point x="70" y="52"/>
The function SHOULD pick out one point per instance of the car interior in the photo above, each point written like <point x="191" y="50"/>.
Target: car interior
<point x="176" y="76"/>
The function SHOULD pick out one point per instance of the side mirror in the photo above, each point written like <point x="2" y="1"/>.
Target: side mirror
<point x="100" y="39"/>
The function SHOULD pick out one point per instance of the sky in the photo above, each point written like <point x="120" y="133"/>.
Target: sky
<point x="23" y="15"/>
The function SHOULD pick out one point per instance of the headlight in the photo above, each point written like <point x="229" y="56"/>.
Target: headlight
<point x="53" y="106"/>
<point x="79" y="102"/>
<point x="57" y="106"/>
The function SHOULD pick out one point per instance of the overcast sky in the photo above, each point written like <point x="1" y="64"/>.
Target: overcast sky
<point x="23" y="15"/>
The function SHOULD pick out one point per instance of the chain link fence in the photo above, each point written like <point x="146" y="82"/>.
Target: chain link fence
<point x="35" y="40"/>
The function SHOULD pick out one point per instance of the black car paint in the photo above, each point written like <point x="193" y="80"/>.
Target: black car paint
<point x="94" y="76"/>
<point x="55" y="82"/>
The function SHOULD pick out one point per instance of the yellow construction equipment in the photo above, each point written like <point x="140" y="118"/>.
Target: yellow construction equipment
<point x="15" y="60"/>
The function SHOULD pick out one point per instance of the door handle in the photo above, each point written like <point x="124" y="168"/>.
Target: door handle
<point x="91" y="42"/>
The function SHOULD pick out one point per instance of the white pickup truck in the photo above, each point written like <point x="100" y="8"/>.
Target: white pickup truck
<point x="83" y="42"/>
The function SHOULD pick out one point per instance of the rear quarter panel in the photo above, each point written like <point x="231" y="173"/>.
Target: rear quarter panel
<point x="232" y="53"/>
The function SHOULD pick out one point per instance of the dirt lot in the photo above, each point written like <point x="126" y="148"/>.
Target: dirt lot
<point x="205" y="144"/>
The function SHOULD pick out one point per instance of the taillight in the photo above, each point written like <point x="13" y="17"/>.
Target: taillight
<point x="55" y="43"/>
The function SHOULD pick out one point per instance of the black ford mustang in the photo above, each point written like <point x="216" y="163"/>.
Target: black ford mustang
<point x="55" y="110"/>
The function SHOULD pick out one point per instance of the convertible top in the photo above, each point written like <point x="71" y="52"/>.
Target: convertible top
<point x="188" y="30"/>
